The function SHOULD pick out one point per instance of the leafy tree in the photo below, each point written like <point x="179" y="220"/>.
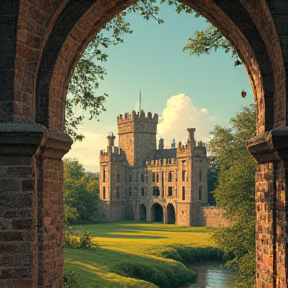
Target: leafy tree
<point x="235" y="193"/>
<point x="212" y="181"/>
<point x="80" y="192"/>
<point x="210" y="39"/>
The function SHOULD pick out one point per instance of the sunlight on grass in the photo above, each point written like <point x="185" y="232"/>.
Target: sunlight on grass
<point x="146" y="247"/>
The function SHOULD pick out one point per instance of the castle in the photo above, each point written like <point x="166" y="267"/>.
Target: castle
<point x="140" y="182"/>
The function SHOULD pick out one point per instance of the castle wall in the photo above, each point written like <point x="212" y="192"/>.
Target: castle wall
<point x="214" y="217"/>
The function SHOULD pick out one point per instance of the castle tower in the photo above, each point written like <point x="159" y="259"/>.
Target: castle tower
<point x="137" y="136"/>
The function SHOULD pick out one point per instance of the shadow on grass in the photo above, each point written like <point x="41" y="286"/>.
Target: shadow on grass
<point x="109" y="268"/>
<point x="127" y="236"/>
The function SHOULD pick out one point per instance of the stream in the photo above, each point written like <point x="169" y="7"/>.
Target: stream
<point x="213" y="275"/>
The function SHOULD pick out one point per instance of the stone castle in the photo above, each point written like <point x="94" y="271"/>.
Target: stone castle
<point x="140" y="182"/>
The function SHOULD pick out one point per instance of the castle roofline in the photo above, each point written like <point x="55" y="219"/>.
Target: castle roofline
<point x="137" y="117"/>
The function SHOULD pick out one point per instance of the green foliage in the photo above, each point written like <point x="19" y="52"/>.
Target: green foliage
<point x="162" y="275"/>
<point x="210" y="39"/>
<point x="81" y="192"/>
<point x="84" y="241"/>
<point x="186" y="254"/>
<point x="212" y="178"/>
<point x="235" y="193"/>
<point x="70" y="279"/>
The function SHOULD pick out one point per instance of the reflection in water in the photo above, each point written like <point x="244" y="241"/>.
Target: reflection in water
<point x="213" y="275"/>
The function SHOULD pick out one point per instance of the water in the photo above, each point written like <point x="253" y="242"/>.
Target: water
<point x="213" y="275"/>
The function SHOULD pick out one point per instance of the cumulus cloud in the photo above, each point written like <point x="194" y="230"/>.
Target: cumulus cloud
<point x="180" y="114"/>
<point x="88" y="150"/>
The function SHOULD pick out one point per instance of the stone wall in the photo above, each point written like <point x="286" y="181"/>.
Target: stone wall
<point x="214" y="217"/>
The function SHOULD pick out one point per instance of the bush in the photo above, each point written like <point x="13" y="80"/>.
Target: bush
<point x="82" y="242"/>
<point x="185" y="254"/>
<point x="162" y="274"/>
<point x="70" y="279"/>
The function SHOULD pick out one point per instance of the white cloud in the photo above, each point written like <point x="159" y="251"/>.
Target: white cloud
<point x="87" y="151"/>
<point x="180" y="114"/>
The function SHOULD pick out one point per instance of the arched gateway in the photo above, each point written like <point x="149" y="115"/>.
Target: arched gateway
<point x="157" y="213"/>
<point x="171" y="215"/>
<point x="40" y="43"/>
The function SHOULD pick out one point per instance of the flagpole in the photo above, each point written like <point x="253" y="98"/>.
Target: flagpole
<point x="140" y="102"/>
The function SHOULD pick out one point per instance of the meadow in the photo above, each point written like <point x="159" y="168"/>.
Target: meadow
<point x="143" y="255"/>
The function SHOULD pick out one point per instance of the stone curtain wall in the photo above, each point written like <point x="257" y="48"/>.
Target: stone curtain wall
<point x="214" y="217"/>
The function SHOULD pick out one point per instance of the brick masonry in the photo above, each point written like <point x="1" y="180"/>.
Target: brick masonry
<point x="41" y="41"/>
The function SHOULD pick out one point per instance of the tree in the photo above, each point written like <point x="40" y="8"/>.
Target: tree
<point x="210" y="39"/>
<point x="235" y="193"/>
<point x="212" y="178"/>
<point x="81" y="192"/>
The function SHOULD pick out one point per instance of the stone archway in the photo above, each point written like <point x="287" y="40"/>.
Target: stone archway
<point x="171" y="215"/>
<point x="142" y="213"/>
<point x="157" y="214"/>
<point x="41" y="42"/>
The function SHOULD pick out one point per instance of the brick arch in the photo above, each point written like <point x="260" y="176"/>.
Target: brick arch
<point x="36" y="68"/>
<point x="78" y="24"/>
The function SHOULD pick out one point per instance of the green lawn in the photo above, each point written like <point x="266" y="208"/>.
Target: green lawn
<point x="130" y="251"/>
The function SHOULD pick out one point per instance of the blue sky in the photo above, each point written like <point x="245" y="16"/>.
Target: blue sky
<point x="188" y="91"/>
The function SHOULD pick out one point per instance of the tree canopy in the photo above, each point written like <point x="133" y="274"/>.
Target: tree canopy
<point x="235" y="193"/>
<point x="81" y="192"/>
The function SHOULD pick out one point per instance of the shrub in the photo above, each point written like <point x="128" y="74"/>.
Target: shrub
<point x="82" y="242"/>
<point x="185" y="254"/>
<point x="70" y="279"/>
<point x="161" y="273"/>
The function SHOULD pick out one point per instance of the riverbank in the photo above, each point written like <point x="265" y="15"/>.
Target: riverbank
<point x="140" y="255"/>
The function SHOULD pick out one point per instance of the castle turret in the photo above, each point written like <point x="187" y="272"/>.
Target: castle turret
<point x="111" y="139"/>
<point x="161" y="144"/>
<point x="191" y="139"/>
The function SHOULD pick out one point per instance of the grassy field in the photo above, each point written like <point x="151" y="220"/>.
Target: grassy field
<point x="132" y="251"/>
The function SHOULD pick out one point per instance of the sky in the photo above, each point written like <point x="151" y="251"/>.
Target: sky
<point x="185" y="91"/>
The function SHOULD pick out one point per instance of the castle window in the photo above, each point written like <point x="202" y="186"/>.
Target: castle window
<point x="183" y="175"/>
<point x="157" y="177"/>
<point x="104" y="175"/>
<point x="156" y="191"/>
<point x="200" y="193"/>
<point x="118" y="192"/>
<point x="183" y="192"/>
<point x="170" y="191"/>
<point x="143" y="189"/>
<point x="153" y="177"/>
<point x="142" y="177"/>
<point x="130" y="191"/>
<point x="200" y="175"/>
<point x="118" y="177"/>
<point x="170" y="176"/>
<point x="130" y="178"/>
<point x="104" y="192"/>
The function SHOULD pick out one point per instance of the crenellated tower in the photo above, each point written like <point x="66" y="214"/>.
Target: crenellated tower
<point x="137" y="136"/>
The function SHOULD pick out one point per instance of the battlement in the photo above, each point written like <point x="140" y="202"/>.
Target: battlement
<point x="161" y="162"/>
<point x="114" y="151"/>
<point x="137" y="117"/>
<point x="186" y="149"/>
